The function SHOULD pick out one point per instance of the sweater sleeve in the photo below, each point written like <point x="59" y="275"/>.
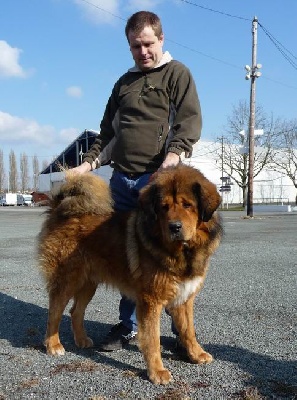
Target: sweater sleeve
<point x="187" y="124"/>
<point x="107" y="131"/>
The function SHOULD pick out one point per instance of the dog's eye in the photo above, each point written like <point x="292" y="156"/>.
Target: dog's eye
<point x="186" y="205"/>
<point x="165" y="207"/>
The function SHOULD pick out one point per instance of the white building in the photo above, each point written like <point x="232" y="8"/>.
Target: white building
<point x="268" y="185"/>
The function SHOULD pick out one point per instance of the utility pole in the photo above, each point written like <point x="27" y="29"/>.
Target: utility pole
<point x="222" y="177"/>
<point x="252" y="74"/>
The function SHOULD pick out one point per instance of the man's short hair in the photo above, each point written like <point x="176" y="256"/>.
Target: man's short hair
<point x="138" y="21"/>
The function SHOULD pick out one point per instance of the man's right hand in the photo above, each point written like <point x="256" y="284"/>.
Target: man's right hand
<point x="81" y="169"/>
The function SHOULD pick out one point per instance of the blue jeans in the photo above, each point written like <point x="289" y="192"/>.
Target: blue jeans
<point x="125" y="192"/>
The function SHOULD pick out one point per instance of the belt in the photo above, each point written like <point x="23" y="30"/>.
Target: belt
<point x="134" y="175"/>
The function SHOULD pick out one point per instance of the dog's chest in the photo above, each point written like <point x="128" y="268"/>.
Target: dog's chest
<point x="186" y="289"/>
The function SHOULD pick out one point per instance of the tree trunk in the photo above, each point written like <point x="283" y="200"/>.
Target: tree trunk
<point x="244" y="196"/>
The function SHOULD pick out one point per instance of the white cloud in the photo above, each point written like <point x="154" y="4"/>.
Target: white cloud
<point x="19" y="131"/>
<point x="74" y="91"/>
<point x="108" y="11"/>
<point x="9" y="61"/>
<point x="16" y="129"/>
<point x="100" y="11"/>
<point x="68" y="135"/>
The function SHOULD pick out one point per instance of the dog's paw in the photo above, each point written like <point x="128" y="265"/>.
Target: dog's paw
<point x="161" y="377"/>
<point x="56" y="350"/>
<point x="84" y="342"/>
<point x="202" y="358"/>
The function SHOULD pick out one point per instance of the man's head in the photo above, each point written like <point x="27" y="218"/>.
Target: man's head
<point x="145" y="37"/>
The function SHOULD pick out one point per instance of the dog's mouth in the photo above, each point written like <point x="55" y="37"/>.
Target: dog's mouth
<point x="179" y="237"/>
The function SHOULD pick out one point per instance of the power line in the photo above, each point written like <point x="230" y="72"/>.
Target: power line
<point x="281" y="48"/>
<point x="203" y="54"/>
<point x="270" y="34"/>
<point x="279" y="83"/>
<point x="274" y="40"/>
<point x="102" y="9"/>
<point x="215" y="11"/>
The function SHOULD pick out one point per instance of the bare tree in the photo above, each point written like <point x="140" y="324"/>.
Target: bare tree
<point x="24" y="169"/>
<point x="2" y="172"/>
<point x="233" y="153"/>
<point x="13" y="173"/>
<point x="35" y="167"/>
<point x="285" y="154"/>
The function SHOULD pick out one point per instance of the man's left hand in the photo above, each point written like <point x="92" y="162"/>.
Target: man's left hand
<point x="171" y="160"/>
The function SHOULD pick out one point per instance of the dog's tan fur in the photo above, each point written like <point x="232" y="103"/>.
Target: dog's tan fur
<point x="157" y="255"/>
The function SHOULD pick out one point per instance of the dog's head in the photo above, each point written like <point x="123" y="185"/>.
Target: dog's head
<point x="178" y="200"/>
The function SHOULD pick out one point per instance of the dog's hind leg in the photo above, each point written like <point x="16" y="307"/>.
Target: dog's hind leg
<point x="81" y="300"/>
<point x="182" y="316"/>
<point x="148" y="318"/>
<point x="57" y="304"/>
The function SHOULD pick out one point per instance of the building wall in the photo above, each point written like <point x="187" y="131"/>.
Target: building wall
<point x="267" y="185"/>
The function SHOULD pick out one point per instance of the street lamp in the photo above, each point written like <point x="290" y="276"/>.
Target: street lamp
<point x="253" y="72"/>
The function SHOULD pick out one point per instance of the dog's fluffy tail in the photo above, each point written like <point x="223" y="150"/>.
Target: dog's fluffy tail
<point x="80" y="195"/>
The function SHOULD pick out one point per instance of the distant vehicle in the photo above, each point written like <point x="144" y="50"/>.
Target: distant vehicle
<point x="9" y="199"/>
<point x="20" y="200"/>
<point x="24" y="200"/>
<point x="28" y="199"/>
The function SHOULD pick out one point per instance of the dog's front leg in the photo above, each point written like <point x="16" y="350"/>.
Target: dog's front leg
<point x="148" y="318"/>
<point x="182" y="316"/>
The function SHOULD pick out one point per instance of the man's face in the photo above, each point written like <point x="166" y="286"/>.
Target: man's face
<point x="146" y="48"/>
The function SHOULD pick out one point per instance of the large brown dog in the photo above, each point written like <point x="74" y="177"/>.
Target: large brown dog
<point x="157" y="255"/>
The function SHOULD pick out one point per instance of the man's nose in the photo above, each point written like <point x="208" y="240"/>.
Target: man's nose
<point x="143" y="50"/>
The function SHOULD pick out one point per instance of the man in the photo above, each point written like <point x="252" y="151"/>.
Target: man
<point x="152" y="116"/>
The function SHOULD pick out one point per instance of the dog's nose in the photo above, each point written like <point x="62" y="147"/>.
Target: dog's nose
<point x="175" y="226"/>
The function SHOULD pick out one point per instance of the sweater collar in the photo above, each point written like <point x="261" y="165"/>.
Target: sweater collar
<point x="166" y="58"/>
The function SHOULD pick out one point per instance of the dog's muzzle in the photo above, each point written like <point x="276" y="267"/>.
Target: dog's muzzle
<point x="175" y="229"/>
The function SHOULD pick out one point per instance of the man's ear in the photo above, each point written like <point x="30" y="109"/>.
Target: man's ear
<point x="161" y="39"/>
<point x="208" y="199"/>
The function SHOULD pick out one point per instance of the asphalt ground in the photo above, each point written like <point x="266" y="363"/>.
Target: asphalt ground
<point x="245" y="316"/>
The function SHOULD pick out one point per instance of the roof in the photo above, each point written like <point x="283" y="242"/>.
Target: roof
<point x="71" y="157"/>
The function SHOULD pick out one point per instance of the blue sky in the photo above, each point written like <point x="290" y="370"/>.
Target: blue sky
<point x="59" y="60"/>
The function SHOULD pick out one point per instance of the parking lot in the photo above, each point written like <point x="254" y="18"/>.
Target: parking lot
<point x="245" y="317"/>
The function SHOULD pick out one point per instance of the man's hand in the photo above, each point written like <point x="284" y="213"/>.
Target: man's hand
<point x="81" y="169"/>
<point x="171" y="160"/>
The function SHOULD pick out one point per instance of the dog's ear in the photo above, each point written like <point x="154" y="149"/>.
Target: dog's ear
<point x="208" y="199"/>
<point x="149" y="200"/>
